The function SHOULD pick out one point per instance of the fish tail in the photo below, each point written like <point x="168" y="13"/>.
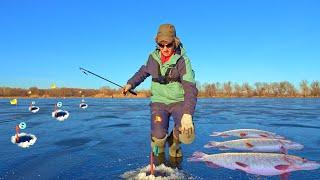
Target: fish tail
<point x="212" y="144"/>
<point x="216" y="134"/>
<point x="197" y="156"/>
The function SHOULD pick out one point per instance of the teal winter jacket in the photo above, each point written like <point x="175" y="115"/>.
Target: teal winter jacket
<point x="173" y="81"/>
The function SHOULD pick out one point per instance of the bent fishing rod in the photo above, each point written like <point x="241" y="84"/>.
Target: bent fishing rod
<point x="87" y="71"/>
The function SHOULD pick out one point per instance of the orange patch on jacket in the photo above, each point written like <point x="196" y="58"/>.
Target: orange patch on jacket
<point x="157" y="119"/>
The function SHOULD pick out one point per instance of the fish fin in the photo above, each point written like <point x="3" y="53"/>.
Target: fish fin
<point x="263" y="135"/>
<point x="223" y="148"/>
<point x="225" y="135"/>
<point x="197" y="156"/>
<point x="249" y="145"/>
<point x="282" y="167"/>
<point x="215" y="134"/>
<point x="212" y="144"/>
<point x="284" y="176"/>
<point x="283" y="150"/>
<point x="275" y="136"/>
<point x="211" y="164"/>
<point x="243" y="134"/>
<point x="241" y="164"/>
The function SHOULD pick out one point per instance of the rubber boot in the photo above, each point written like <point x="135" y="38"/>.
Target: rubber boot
<point x="160" y="143"/>
<point x="174" y="146"/>
<point x="160" y="159"/>
<point x="175" y="162"/>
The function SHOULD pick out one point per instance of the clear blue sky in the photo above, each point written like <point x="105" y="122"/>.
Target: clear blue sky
<point x="44" y="42"/>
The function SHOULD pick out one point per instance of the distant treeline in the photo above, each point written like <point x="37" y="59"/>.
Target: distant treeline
<point x="217" y="89"/>
<point x="260" y="89"/>
<point x="34" y="92"/>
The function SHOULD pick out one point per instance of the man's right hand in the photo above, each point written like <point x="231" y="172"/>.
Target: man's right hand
<point x="126" y="88"/>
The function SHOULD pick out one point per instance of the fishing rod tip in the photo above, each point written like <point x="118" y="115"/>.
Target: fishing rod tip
<point x="82" y="70"/>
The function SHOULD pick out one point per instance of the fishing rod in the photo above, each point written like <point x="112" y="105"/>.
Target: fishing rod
<point x="87" y="71"/>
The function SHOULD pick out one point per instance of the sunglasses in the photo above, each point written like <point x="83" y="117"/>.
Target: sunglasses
<point x="170" y="45"/>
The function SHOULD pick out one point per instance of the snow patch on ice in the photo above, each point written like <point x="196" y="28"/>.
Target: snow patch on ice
<point x="161" y="172"/>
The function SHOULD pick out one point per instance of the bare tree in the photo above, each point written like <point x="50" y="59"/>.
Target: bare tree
<point x="237" y="90"/>
<point x="259" y="88"/>
<point x="219" y="90"/>
<point x="286" y="89"/>
<point x="291" y="90"/>
<point x="227" y="88"/>
<point x="247" y="90"/>
<point x="315" y="89"/>
<point x="210" y="90"/>
<point x="304" y="88"/>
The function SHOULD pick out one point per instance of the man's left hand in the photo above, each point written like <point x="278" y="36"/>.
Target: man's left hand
<point x="187" y="124"/>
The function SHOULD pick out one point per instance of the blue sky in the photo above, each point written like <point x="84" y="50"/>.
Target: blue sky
<point x="44" y="42"/>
